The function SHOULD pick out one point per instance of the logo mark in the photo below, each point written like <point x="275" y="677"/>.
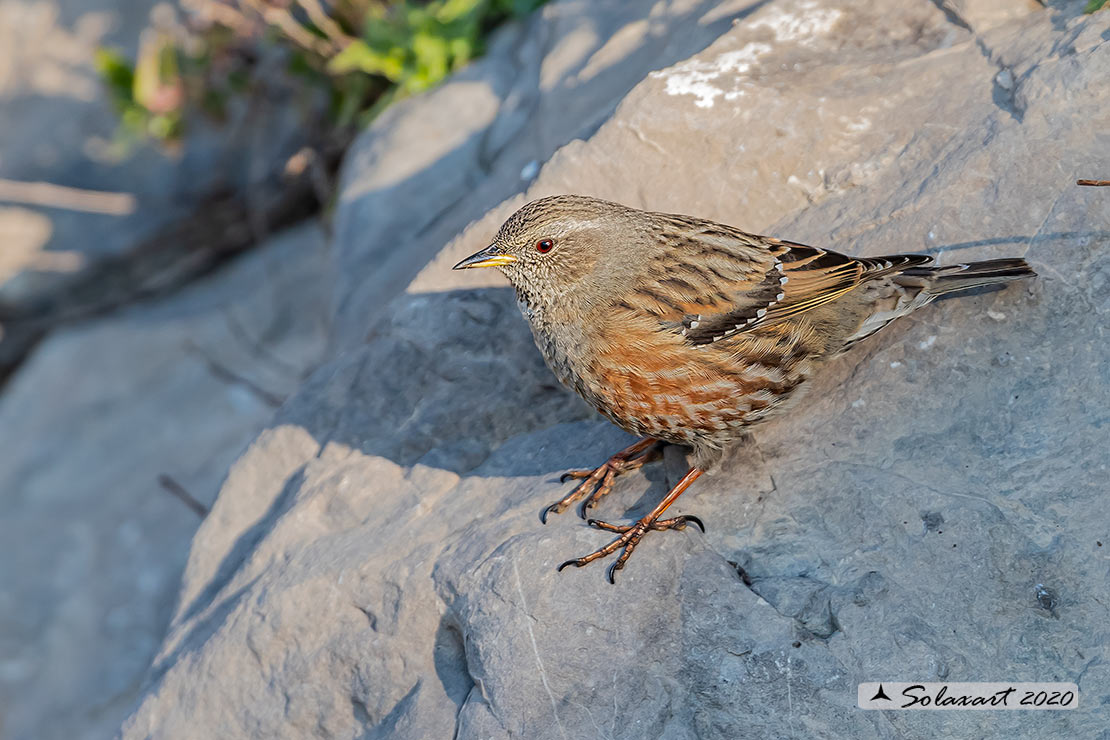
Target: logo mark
<point x="896" y="695"/>
<point x="880" y="694"/>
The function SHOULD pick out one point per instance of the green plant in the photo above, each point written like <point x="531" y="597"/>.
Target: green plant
<point x="1093" y="5"/>
<point x="416" y="46"/>
<point x="365" y="53"/>
<point x="410" y="47"/>
<point x="149" y="96"/>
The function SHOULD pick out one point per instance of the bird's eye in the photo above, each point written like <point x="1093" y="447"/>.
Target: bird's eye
<point x="543" y="246"/>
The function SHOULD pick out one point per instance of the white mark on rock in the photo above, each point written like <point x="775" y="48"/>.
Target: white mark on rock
<point x="896" y="364"/>
<point x="699" y="78"/>
<point x="858" y="402"/>
<point x="536" y="650"/>
<point x="809" y="22"/>
<point x="858" y="125"/>
<point x="695" y="77"/>
<point x="928" y="342"/>
<point x="996" y="315"/>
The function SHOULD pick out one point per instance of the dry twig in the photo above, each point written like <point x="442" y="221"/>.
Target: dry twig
<point x="178" y="491"/>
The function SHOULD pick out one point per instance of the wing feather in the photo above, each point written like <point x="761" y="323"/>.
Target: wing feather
<point x="716" y="281"/>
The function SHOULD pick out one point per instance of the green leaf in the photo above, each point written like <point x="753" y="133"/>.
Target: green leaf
<point x="452" y="10"/>
<point x="359" y="57"/>
<point x="462" y="51"/>
<point x="116" y="71"/>
<point x="164" y="127"/>
<point x="432" y="56"/>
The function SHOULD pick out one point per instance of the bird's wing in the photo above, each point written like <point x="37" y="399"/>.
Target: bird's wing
<point x="718" y="281"/>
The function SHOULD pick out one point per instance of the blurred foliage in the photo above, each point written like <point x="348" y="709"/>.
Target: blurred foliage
<point x="148" y="96"/>
<point x="1093" y="5"/>
<point x="364" y="53"/>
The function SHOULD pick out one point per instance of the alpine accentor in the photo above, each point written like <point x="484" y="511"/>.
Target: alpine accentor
<point x="688" y="331"/>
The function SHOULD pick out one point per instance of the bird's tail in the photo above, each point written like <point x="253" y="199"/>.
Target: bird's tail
<point x="937" y="281"/>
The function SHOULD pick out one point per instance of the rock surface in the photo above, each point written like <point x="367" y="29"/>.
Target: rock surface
<point x="374" y="566"/>
<point x="91" y="546"/>
<point x="58" y="126"/>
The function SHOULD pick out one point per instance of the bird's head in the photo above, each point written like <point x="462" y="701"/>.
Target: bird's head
<point x="553" y="247"/>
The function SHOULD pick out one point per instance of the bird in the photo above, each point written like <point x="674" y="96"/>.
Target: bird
<point x="682" y="330"/>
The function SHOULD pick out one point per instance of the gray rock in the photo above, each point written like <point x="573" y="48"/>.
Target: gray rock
<point x="374" y="565"/>
<point x="57" y="125"/>
<point x="91" y="546"/>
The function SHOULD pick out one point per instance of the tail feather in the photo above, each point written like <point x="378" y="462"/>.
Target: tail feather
<point x="937" y="281"/>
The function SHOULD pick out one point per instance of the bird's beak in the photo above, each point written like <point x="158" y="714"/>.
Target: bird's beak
<point x="488" y="257"/>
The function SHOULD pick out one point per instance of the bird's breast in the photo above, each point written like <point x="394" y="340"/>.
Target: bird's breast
<point x="652" y="383"/>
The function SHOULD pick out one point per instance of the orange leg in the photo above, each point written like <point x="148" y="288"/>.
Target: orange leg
<point x="599" y="481"/>
<point x="630" y="535"/>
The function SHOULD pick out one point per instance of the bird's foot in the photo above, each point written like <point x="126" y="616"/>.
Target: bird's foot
<point x="630" y="536"/>
<point x="599" y="481"/>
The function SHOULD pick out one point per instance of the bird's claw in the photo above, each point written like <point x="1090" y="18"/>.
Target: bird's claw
<point x="611" y="572"/>
<point x="691" y="518"/>
<point x="603" y="474"/>
<point x="597" y="483"/>
<point x="548" y="510"/>
<point x="630" y="536"/>
<point x="678" y="522"/>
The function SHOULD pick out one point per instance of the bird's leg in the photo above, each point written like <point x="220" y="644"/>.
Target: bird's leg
<point x="599" y="481"/>
<point x="630" y="535"/>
